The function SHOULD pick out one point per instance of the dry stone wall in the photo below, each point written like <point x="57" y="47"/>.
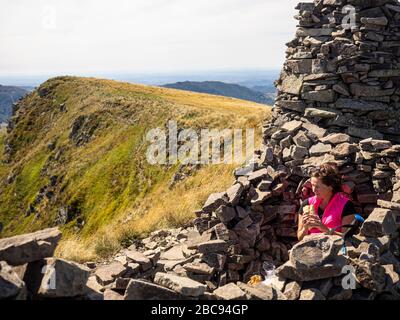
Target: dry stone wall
<point x="338" y="102"/>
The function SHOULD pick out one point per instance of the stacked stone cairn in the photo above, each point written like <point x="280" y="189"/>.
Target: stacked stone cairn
<point x="338" y="102"/>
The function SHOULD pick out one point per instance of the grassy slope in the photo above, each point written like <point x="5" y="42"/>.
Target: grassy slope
<point x="109" y="179"/>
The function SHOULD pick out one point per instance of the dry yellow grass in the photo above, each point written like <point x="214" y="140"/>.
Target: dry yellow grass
<point x="162" y="208"/>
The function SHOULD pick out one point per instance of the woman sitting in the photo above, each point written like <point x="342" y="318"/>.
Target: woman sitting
<point x="329" y="208"/>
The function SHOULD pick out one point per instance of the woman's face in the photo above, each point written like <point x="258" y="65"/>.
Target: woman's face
<point x="322" y="191"/>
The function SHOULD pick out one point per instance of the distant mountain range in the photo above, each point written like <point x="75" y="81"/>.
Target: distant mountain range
<point x="9" y="95"/>
<point x="256" y="94"/>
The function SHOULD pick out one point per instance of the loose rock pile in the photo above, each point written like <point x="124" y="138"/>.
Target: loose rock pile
<point x="319" y="268"/>
<point x="255" y="220"/>
<point x="28" y="271"/>
<point x="161" y="267"/>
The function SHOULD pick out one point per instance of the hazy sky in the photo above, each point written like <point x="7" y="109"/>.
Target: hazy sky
<point x="95" y="36"/>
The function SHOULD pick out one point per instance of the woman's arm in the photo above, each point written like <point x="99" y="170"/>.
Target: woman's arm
<point x="302" y="229"/>
<point x="345" y="221"/>
<point x="315" y="222"/>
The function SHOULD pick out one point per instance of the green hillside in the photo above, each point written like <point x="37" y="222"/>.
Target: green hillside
<point x="77" y="157"/>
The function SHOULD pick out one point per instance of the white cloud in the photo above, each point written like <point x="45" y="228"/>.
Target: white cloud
<point x="78" y="36"/>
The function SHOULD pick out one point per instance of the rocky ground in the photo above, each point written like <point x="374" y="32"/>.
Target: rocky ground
<point x="182" y="264"/>
<point x="165" y="266"/>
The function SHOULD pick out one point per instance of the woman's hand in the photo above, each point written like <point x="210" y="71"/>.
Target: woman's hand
<point x="305" y="222"/>
<point x="302" y="230"/>
<point x="312" y="221"/>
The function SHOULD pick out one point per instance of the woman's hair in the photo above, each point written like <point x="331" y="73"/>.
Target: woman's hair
<point x="329" y="175"/>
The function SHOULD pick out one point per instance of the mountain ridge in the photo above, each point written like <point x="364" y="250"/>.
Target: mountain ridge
<point x="222" y="89"/>
<point x="8" y="96"/>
